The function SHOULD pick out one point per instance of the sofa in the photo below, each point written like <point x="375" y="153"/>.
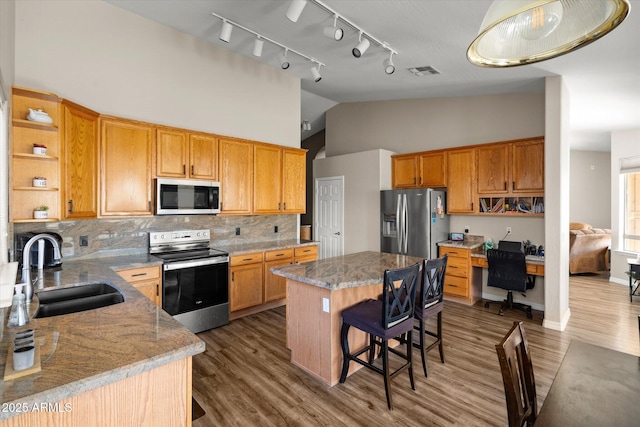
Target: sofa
<point x="588" y="248"/>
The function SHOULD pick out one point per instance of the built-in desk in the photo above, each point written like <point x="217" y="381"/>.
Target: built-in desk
<point x="535" y="264"/>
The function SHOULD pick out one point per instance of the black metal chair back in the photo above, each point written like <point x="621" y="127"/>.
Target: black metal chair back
<point x="399" y="294"/>
<point x="432" y="292"/>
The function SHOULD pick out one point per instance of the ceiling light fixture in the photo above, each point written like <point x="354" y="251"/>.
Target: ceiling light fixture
<point x="389" y="68"/>
<point x="363" y="45"/>
<point x="284" y="62"/>
<point x="295" y="9"/>
<point x="225" y="32"/>
<point x="334" y="32"/>
<point x="520" y="32"/>
<point x="260" y="39"/>
<point x="315" y="72"/>
<point x="258" y="44"/>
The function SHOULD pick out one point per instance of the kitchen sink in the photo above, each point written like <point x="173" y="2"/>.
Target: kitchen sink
<point x="78" y="298"/>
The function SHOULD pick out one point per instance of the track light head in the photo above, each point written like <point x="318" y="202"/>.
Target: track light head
<point x="334" y="32"/>
<point x="362" y="47"/>
<point x="225" y="33"/>
<point x="258" y="44"/>
<point x="315" y="71"/>
<point x="284" y="62"/>
<point x="389" y="68"/>
<point x="295" y="9"/>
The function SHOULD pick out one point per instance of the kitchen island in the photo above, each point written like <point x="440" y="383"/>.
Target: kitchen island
<point x="125" y="364"/>
<point x="317" y="292"/>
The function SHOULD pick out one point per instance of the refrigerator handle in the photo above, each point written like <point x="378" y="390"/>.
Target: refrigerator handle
<point x="399" y="223"/>
<point x="405" y="221"/>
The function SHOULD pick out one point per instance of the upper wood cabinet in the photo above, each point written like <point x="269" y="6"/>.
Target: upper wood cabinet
<point x="80" y="161"/>
<point x="236" y="176"/>
<point x="426" y="169"/>
<point x="180" y="154"/>
<point x="494" y="169"/>
<point x="126" y="167"/>
<point x="528" y="166"/>
<point x="25" y="164"/>
<point x="278" y="179"/>
<point x="294" y="166"/>
<point x="461" y="175"/>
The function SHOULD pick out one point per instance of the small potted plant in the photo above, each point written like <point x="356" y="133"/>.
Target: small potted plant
<point x="39" y="181"/>
<point x="39" y="149"/>
<point x="41" y="212"/>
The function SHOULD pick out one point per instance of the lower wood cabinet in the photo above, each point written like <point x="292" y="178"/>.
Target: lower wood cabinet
<point x="462" y="283"/>
<point x="147" y="280"/>
<point x="252" y="285"/>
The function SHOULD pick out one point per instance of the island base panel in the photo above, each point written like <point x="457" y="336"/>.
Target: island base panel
<point x="313" y="335"/>
<point x="156" y="398"/>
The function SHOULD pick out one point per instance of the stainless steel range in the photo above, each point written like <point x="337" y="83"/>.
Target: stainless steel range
<point x="194" y="279"/>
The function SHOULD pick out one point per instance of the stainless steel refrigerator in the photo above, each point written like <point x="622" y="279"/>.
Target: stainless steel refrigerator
<point x="413" y="221"/>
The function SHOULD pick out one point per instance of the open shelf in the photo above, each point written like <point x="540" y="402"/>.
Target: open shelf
<point x="514" y="205"/>
<point x="35" y="125"/>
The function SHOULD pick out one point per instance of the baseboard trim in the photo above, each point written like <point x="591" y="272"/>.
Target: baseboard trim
<point x="558" y="326"/>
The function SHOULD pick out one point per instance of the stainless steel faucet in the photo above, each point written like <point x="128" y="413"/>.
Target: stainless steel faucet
<point x="26" y="264"/>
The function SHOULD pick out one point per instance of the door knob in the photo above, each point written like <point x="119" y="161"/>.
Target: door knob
<point x="337" y="234"/>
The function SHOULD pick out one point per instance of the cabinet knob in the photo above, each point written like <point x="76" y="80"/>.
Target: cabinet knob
<point x="184" y="169"/>
<point x="192" y="170"/>
<point x="70" y="206"/>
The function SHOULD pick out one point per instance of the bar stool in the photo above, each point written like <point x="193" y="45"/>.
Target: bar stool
<point x="385" y="318"/>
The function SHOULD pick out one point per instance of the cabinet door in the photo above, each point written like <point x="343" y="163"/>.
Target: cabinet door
<point x="433" y="169"/>
<point x="528" y="166"/>
<point x="150" y="290"/>
<point x="294" y="181"/>
<point x="236" y="176"/>
<point x="203" y="157"/>
<point x="80" y="161"/>
<point x="275" y="287"/>
<point x="245" y="286"/>
<point x="146" y="280"/>
<point x="171" y="146"/>
<point x="493" y="169"/>
<point x="404" y="171"/>
<point x="126" y="151"/>
<point x="460" y="181"/>
<point x="267" y="179"/>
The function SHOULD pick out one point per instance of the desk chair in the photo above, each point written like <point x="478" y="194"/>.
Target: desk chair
<point x="386" y="318"/>
<point x="508" y="270"/>
<point x="517" y="376"/>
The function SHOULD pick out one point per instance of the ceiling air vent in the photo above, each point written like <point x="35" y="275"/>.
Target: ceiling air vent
<point x="421" y="71"/>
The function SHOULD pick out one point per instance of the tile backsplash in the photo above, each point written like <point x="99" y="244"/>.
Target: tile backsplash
<point x="125" y="236"/>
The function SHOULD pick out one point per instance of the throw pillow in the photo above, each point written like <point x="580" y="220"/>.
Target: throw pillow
<point x="579" y="226"/>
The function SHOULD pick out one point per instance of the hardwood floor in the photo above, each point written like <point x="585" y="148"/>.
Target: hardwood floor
<point x="245" y="377"/>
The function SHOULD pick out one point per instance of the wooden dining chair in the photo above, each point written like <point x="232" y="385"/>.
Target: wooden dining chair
<point x="517" y="376"/>
<point x="386" y="318"/>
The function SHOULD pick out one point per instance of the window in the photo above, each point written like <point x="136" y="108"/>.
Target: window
<point x="631" y="236"/>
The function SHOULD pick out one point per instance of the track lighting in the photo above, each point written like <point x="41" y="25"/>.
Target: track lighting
<point x="284" y="62"/>
<point x="334" y="32"/>
<point x="257" y="46"/>
<point x="389" y="68"/>
<point x="362" y="46"/>
<point x="306" y="126"/>
<point x="225" y="33"/>
<point x="295" y="9"/>
<point x="315" y="71"/>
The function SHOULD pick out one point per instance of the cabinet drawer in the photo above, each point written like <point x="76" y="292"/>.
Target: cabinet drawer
<point x="307" y="252"/>
<point x="281" y="254"/>
<point x="458" y="266"/>
<point x="133" y="275"/>
<point x="454" y="252"/>
<point x="245" y="259"/>
<point x="456" y="286"/>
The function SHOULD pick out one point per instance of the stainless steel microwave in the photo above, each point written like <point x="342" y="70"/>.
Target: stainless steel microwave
<point x="187" y="197"/>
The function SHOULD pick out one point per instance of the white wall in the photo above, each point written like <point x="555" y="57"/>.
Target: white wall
<point x="365" y="174"/>
<point x="7" y="29"/>
<point x="412" y="125"/>
<point x="118" y="63"/>
<point x="590" y="187"/>
<point x="623" y="144"/>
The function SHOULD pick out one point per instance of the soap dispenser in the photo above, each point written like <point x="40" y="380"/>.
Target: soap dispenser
<point x="19" y="315"/>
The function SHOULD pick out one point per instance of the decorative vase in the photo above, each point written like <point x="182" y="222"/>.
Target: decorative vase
<point x="39" y="182"/>
<point x="40" y="214"/>
<point x="40" y="150"/>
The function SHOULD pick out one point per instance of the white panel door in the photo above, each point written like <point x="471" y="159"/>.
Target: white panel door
<point x="329" y="205"/>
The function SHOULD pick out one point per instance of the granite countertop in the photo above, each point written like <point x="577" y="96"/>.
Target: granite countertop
<point x="468" y="243"/>
<point x="268" y="245"/>
<point x="87" y="350"/>
<point x="348" y="271"/>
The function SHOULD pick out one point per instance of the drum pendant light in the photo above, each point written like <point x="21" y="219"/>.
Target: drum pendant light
<point x="520" y="32"/>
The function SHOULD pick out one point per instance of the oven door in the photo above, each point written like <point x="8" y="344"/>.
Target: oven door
<point x="196" y="284"/>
